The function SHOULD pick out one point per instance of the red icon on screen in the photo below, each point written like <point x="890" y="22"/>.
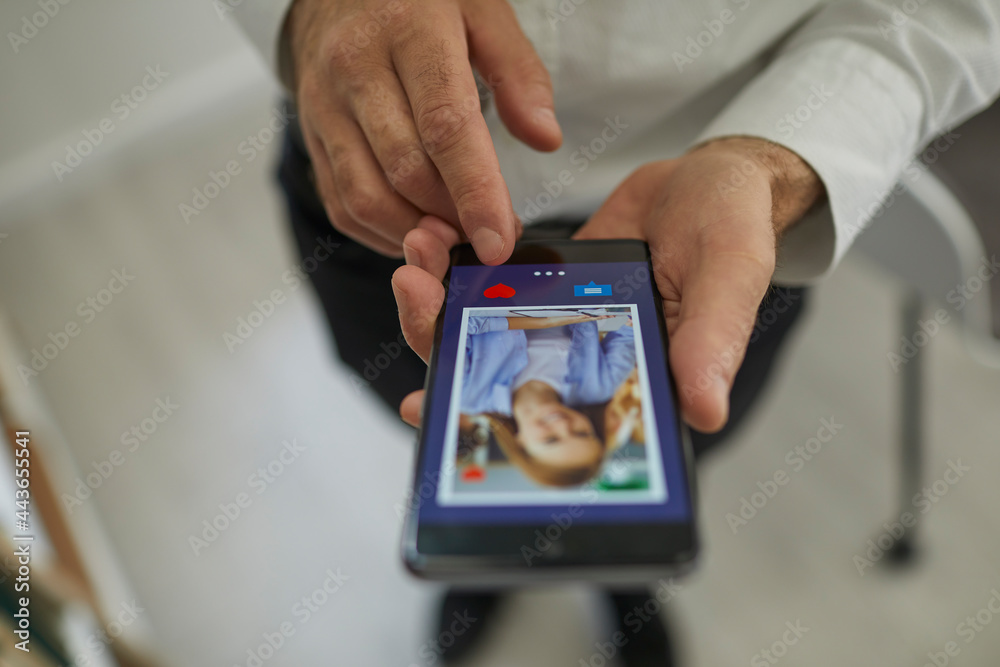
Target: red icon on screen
<point x="499" y="291"/>
<point x="472" y="474"/>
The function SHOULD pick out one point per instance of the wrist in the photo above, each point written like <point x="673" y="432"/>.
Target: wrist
<point x="795" y="186"/>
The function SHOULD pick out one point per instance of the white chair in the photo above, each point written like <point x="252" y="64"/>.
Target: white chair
<point x="928" y="239"/>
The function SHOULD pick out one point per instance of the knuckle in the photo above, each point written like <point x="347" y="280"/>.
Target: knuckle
<point x="441" y="123"/>
<point x="362" y="203"/>
<point x="468" y="194"/>
<point x="359" y="199"/>
<point x="410" y="171"/>
<point x="331" y="205"/>
<point x="342" y="57"/>
<point x="375" y="96"/>
<point x="310" y="88"/>
<point x="336" y="52"/>
<point x="338" y="220"/>
<point x="420" y="32"/>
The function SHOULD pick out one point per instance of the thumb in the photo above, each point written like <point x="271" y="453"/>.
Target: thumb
<point x="514" y="72"/>
<point x="412" y="407"/>
<point x="718" y="311"/>
<point x="419" y="296"/>
<point x="622" y="214"/>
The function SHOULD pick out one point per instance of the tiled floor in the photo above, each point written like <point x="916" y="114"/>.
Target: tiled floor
<point x="333" y="507"/>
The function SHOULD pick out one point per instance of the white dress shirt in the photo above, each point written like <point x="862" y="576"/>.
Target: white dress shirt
<point x="548" y="359"/>
<point x="856" y="88"/>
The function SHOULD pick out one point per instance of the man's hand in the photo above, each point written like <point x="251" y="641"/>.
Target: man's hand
<point x="390" y="113"/>
<point x="711" y="219"/>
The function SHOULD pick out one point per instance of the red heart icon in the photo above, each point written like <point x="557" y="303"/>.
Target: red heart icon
<point x="499" y="291"/>
<point x="472" y="474"/>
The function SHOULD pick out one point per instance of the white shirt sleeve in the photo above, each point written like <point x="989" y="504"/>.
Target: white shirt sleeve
<point x="262" y="21"/>
<point x="856" y="92"/>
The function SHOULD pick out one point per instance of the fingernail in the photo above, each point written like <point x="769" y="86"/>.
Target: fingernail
<point x="546" y="117"/>
<point x="722" y="396"/>
<point x="412" y="256"/>
<point x="488" y="244"/>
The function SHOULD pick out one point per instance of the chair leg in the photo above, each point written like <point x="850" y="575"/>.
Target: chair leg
<point x="911" y="432"/>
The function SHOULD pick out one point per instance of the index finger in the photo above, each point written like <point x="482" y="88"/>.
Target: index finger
<point x="433" y="66"/>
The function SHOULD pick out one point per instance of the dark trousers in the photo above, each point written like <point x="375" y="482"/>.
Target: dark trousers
<point x="354" y="288"/>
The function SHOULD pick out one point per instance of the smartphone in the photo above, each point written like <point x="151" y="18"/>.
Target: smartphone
<point x="551" y="445"/>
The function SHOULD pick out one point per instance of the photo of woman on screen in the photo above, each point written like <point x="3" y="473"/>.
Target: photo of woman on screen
<point x="542" y="385"/>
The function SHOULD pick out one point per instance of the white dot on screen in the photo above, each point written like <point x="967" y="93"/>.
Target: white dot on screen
<point x="562" y="273"/>
<point x="548" y="273"/>
<point x="538" y="273"/>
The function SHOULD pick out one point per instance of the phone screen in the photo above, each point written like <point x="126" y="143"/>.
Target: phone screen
<point x="550" y="395"/>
